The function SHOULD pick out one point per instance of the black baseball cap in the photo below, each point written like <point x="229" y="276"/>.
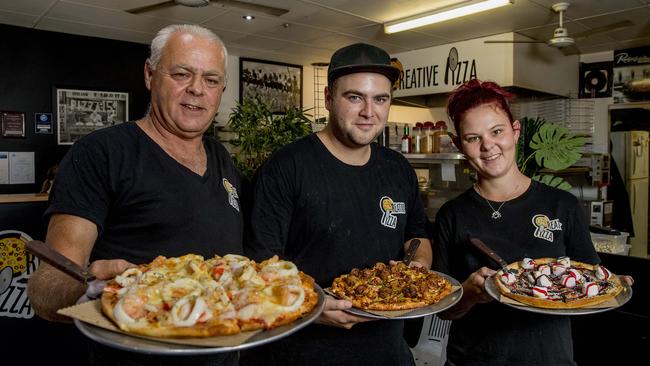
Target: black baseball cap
<point x="361" y="57"/>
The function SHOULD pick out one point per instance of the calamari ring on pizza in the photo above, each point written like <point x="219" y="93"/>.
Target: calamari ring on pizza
<point x="557" y="283"/>
<point x="191" y="297"/>
<point x="397" y="287"/>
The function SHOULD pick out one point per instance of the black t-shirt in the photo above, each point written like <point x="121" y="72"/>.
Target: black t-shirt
<point x="329" y="217"/>
<point x="146" y="204"/>
<point x="543" y="222"/>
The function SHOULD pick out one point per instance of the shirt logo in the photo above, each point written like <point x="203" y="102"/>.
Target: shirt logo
<point x="233" y="198"/>
<point x="544" y="227"/>
<point x="389" y="210"/>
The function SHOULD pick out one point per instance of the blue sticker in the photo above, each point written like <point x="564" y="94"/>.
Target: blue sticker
<point x="43" y="123"/>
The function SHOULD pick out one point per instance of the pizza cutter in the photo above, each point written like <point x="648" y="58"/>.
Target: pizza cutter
<point x="480" y="245"/>
<point x="59" y="261"/>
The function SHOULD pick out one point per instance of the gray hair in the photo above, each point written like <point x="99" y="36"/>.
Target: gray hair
<point x="163" y="36"/>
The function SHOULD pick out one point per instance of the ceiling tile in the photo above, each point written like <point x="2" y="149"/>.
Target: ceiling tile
<point x="108" y="18"/>
<point x="94" y="30"/>
<point x="31" y="7"/>
<point x="17" y="19"/>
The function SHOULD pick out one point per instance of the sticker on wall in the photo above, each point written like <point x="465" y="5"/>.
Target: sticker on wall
<point x="43" y="123"/>
<point x="16" y="265"/>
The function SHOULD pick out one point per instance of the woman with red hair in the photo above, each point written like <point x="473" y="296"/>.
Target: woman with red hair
<point x="517" y="217"/>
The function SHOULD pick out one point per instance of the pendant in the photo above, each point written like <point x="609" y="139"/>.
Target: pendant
<point x="496" y="215"/>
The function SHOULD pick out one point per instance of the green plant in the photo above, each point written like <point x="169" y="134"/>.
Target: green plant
<point x="545" y="145"/>
<point x="260" y="132"/>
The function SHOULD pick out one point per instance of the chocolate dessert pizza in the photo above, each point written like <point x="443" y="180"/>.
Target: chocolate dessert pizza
<point x="557" y="283"/>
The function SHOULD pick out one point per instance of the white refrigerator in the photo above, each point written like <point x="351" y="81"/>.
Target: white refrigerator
<point x="630" y="151"/>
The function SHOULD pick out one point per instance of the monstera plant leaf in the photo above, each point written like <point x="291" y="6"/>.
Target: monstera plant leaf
<point x="556" y="149"/>
<point x="529" y="128"/>
<point x="553" y="181"/>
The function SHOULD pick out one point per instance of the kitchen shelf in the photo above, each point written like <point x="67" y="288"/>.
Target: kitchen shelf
<point x="440" y="158"/>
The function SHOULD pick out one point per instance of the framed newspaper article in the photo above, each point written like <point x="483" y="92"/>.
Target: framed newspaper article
<point x="277" y="84"/>
<point x="81" y="111"/>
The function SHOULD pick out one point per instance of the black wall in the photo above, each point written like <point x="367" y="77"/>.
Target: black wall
<point x="32" y="62"/>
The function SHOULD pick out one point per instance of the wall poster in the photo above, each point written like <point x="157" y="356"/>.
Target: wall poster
<point x="79" y="112"/>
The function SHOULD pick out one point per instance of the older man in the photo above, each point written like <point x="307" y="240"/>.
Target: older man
<point x="156" y="186"/>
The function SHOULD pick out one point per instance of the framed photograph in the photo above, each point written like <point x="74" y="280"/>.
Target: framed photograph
<point x="13" y="124"/>
<point x="81" y="111"/>
<point x="275" y="83"/>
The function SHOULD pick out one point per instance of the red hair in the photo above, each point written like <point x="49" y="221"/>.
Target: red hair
<point x="475" y="93"/>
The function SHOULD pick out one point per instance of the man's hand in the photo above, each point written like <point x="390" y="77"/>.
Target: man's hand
<point x="105" y="269"/>
<point x="333" y="314"/>
<point x="413" y="263"/>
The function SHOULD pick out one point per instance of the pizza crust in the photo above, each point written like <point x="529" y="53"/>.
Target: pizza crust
<point x="615" y="288"/>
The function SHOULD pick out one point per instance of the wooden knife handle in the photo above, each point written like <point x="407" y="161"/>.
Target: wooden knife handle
<point x="480" y="245"/>
<point x="58" y="261"/>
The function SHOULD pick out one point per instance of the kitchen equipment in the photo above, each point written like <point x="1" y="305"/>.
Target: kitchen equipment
<point x="410" y="252"/>
<point x="59" y="261"/>
<point x="630" y="152"/>
<point x="600" y="213"/>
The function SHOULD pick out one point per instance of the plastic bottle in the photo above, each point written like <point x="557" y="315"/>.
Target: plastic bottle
<point x="406" y="141"/>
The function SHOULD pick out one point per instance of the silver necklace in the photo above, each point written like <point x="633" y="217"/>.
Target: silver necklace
<point x="496" y="214"/>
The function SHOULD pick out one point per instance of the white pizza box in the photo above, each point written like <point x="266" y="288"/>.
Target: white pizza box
<point x="613" y="244"/>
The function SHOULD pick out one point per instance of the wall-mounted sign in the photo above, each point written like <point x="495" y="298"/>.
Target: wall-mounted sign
<point x="13" y="124"/>
<point x="441" y="69"/>
<point x="16" y="266"/>
<point x="43" y="123"/>
<point x="632" y="75"/>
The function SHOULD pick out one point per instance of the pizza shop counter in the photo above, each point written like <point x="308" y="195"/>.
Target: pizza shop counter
<point x="625" y="332"/>
<point x="21" y="219"/>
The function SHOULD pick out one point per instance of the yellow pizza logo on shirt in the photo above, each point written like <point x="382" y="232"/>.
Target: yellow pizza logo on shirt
<point x="389" y="209"/>
<point x="544" y="227"/>
<point x="233" y="197"/>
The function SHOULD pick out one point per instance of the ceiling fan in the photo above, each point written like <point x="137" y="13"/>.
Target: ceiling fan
<point x="561" y="38"/>
<point x="200" y="3"/>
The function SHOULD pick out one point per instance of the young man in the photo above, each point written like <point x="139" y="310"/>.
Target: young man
<point x="334" y="201"/>
<point x="126" y="194"/>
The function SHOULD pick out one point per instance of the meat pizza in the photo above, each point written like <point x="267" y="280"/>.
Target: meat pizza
<point x="189" y="296"/>
<point x="397" y="287"/>
<point x="557" y="283"/>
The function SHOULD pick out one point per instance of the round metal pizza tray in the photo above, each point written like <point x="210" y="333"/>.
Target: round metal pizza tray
<point x="131" y="343"/>
<point x="622" y="298"/>
<point x="442" y="305"/>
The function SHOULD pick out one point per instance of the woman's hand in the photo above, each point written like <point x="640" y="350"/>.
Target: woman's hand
<point x="473" y="293"/>
<point x="474" y="286"/>
<point x="333" y="314"/>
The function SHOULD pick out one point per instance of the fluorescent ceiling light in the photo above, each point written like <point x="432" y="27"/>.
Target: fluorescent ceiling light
<point x="440" y="16"/>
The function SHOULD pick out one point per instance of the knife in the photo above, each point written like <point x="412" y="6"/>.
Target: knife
<point x="59" y="261"/>
<point x="410" y="252"/>
<point x="480" y="245"/>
